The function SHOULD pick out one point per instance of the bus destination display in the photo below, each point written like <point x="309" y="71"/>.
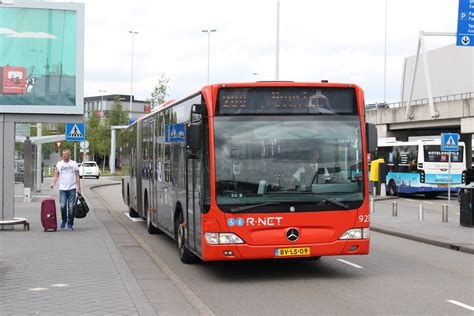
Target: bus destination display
<point x="286" y="100"/>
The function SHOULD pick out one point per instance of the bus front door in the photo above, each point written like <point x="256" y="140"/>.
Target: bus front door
<point x="193" y="201"/>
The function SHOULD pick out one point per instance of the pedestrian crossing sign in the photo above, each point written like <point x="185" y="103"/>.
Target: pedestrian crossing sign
<point x="75" y="132"/>
<point x="449" y="142"/>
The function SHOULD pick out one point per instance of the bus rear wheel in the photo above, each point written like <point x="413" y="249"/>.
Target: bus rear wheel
<point x="131" y="211"/>
<point x="392" y="188"/>
<point x="184" y="254"/>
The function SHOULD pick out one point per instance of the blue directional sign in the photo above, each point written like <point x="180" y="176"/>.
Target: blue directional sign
<point x="465" y="34"/>
<point x="75" y="132"/>
<point x="449" y="142"/>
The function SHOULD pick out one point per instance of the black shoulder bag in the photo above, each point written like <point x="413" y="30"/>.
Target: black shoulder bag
<point x="81" y="207"/>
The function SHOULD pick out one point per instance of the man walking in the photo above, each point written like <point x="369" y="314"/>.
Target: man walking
<point x="69" y="183"/>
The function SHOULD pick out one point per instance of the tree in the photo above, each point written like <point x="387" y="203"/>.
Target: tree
<point x="93" y="134"/>
<point x="160" y="92"/>
<point x="117" y="116"/>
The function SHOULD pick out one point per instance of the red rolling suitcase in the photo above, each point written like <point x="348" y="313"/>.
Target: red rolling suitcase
<point x="48" y="214"/>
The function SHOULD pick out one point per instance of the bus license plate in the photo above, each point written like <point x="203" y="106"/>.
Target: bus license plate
<point x="442" y="185"/>
<point x="287" y="252"/>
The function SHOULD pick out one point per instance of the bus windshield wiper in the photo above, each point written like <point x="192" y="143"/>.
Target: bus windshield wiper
<point x="334" y="202"/>
<point x="248" y="207"/>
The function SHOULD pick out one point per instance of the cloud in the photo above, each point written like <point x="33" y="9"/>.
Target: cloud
<point x="40" y="35"/>
<point x="4" y="30"/>
<point x="11" y="33"/>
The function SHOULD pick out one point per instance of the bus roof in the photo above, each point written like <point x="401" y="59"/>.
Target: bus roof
<point x="388" y="143"/>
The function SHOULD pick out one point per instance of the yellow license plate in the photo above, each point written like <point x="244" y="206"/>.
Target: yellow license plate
<point x="290" y="252"/>
<point x="443" y="185"/>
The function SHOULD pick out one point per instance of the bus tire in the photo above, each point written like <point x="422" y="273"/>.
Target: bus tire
<point x="431" y="195"/>
<point x="392" y="188"/>
<point x="131" y="211"/>
<point x="184" y="254"/>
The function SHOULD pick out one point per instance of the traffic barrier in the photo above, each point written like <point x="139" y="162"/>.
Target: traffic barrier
<point x="444" y="213"/>
<point x="420" y="212"/>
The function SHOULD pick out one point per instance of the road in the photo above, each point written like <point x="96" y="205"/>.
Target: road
<point x="398" y="277"/>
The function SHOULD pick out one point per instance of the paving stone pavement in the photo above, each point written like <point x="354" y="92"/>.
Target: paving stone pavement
<point x="96" y="269"/>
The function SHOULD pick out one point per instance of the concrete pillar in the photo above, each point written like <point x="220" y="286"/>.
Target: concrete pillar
<point x="7" y="172"/>
<point x="28" y="178"/>
<point x="112" y="151"/>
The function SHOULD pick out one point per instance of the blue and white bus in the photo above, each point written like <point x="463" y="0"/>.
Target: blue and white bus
<point x="421" y="167"/>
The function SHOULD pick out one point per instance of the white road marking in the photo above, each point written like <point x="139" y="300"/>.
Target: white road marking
<point x="134" y="219"/>
<point x="37" y="289"/>
<point x="350" y="263"/>
<point x="458" y="213"/>
<point x="410" y="200"/>
<point x="461" y="304"/>
<point x="428" y="202"/>
<point x="59" y="285"/>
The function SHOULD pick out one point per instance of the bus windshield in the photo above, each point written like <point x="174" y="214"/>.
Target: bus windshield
<point x="310" y="163"/>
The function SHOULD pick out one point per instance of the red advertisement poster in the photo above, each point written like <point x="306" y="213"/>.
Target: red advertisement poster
<point x="13" y="80"/>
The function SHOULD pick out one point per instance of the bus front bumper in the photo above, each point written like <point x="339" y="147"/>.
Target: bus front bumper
<point x="251" y="252"/>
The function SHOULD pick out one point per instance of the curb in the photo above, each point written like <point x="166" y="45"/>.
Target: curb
<point x="424" y="240"/>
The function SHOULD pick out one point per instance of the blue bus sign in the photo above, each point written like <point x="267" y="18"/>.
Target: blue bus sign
<point x="465" y="34"/>
<point x="175" y="133"/>
<point x="75" y="132"/>
<point x="449" y="142"/>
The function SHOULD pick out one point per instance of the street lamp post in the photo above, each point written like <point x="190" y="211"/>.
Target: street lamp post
<point x="277" y="43"/>
<point x="131" y="76"/>
<point x="208" y="49"/>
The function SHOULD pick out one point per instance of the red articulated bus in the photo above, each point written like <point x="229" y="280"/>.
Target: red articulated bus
<point x="259" y="170"/>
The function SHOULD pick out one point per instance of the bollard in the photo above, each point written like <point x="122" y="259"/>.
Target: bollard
<point x="383" y="190"/>
<point x="445" y="213"/>
<point x="374" y="191"/>
<point x="372" y="205"/>
<point x="420" y="212"/>
<point x="394" y="208"/>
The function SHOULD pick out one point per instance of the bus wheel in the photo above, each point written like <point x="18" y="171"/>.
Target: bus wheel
<point x="184" y="254"/>
<point x="392" y="188"/>
<point x="431" y="195"/>
<point x="131" y="211"/>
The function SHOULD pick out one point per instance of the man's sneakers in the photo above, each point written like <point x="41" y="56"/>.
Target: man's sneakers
<point x="69" y="227"/>
<point x="63" y="225"/>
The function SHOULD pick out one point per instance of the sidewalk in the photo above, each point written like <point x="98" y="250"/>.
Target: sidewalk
<point x="85" y="271"/>
<point x="431" y="230"/>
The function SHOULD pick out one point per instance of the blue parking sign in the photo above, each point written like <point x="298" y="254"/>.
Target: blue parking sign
<point x="465" y="33"/>
<point x="449" y="142"/>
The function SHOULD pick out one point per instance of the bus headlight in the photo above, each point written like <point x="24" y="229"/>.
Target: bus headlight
<point x="222" y="238"/>
<point x="356" y="233"/>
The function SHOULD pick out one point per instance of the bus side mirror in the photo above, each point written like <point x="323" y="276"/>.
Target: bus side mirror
<point x="193" y="137"/>
<point x="197" y="109"/>
<point x="371" y="137"/>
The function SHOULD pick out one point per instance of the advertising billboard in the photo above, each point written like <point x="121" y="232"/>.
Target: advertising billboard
<point x="42" y="58"/>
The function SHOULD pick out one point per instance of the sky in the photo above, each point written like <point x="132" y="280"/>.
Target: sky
<point x="339" y="41"/>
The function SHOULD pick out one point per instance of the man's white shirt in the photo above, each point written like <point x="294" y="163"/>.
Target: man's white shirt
<point x="67" y="174"/>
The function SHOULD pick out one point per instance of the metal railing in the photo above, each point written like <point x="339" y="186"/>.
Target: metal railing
<point x="444" y="98"/>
